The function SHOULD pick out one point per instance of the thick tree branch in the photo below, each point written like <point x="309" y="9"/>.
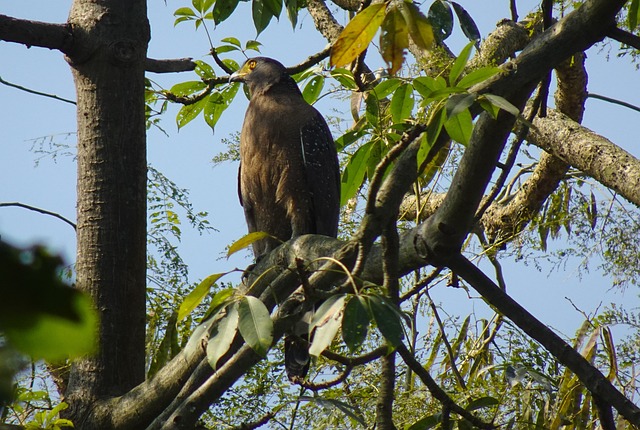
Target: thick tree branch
<point x="625" y="37"/>
<point x="174" y="65"/>
<point x="36" y="33"/>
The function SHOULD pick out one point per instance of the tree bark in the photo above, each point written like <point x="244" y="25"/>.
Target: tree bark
<point x="107" y="61"/>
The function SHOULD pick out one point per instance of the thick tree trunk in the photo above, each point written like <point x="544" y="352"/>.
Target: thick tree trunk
<point x="110" y="44"/>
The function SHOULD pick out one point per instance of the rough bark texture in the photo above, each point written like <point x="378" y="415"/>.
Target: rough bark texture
<point x="107" y="60"/>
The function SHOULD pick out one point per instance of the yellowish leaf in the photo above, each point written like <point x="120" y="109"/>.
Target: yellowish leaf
<point x="394" y="39"/>
<point x="357" y="34"/>
<point x="247" y="240"/>
<point x="420" y="28"/>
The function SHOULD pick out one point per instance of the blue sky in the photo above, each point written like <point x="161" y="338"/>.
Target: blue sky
<point x="184" y="156"/>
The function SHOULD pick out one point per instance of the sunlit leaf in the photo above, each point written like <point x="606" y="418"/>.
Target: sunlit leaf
<point x="357" y="34"/>
<point x="246" y="241"/>
<point x="255" y="324"/>
<point x="387" y="320"/>
<point x="218" y="102"/>
<point x="232" y="41"/>
<point x="204" y="70"/>
<point x="345" y="77"/>
<point x="477" y="76"/>
<point x="468" y="25"/>
<point x="426" y="85"/>
<point x="420" y="28"/>
<point x="372" y="109"/>
<point x="253" y="45"/>
<point x="312" y="90"/>
<point x="195" y="297"/>
<point x="355" y="323"/>
<point x="460" y="63"/>
<point x="433" y="131"/>
<point x="187" y="88"/>
<point x="386" y="87"/>
<point x="394" y="39"/>
<point x="502" y="103"/>
<point x="402" y="103"/>
<point x="327" y="321"/>
<point x="633" y="16"/>
<point x="441" y="18"/>
<point x="187" y="113"/>
<point x="457" y="103"/>
<point x="460" y="127"/>
<point x="354" y="173"/>
<point x="221" y="335"/>
<point x="482" y="402"/>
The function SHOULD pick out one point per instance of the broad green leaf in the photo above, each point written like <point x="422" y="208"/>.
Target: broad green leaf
<point x="345" y="77"/>
<point x="376" y="152"/>
<point x="354" y="173"/>
<point x="502" y="103"/>
<point x="187" y="88"/>
<point x="255" y="324"/>
<point x="218" y="102"/>
<point x="433" y="131"/>
<point x="275" y="6"/>
<point x="221" y="335"/>
<point x="469" y="27"/>
<point x="357" y="34"/>
<point x="633" y="16"/>
<point x="482" y="402"/>
<point x="184" y="14"/>
<point x="231" y="64"/>
<point x="394" y="39"/>
<point x="387" y="319"/>
<point x="441" y="18"/>
<point x="348" y="138"/>
<point x="386" y="87"/>
<point x="195" y="297"/>
<point x="402" y="103"/>
<point x="372" y="109"/>
<point x="457" y="103"/>
<point x="223" y="10"/>
<point x="226" y="48"/>
<point x="252" y="45"/>
<point x="420" y="28"/>
<point x="54" y="337"/>
<point x="489" y="107"/>
<point x="232" y="41"/>
<point x="188" y="112"/>
<point x="247" y="240"/>
<point x="426" y="85"/>
<point x="460" y="127"/>
<point x="219" y="300"/>
<point x="312" y="90"/>
<point x="327" y="321"/>
<point x="428" y="422"/>
<point x="460" y="63"/>
<point x="477" y="76"/>
<point x="204" y="70"/>
<point x="262" y="15"/>
<point x="355" y="323"/>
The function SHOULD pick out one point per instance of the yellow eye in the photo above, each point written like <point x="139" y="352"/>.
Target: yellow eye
<point x="252" y="64"/>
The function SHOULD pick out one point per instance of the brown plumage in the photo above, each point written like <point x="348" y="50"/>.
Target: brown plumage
<point x="289" y="177"/>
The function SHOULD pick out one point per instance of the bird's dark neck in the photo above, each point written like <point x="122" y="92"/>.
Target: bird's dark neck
<point x="285" y="85"/>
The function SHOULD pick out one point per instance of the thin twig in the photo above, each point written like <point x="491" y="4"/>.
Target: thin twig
<point x="38" y="93"/>
<point x="42" y="211"/>
<point x="614" y="101"/>
<point x="312" y="60"/>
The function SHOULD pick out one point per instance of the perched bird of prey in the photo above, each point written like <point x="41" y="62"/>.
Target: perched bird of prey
<point x="289" y="178"/>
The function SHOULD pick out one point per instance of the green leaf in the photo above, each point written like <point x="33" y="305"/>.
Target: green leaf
<point x="247" y="240"/>
<point x="426" y="85"/>
<point x="488" y="107"/>
<point x="420" y="28"/>
<point x="460" y="63"/>
<point x="477" y="76"/>
<point x="469" y="27"/>
<point x="252" y="45"/>
<point x="394" y="39"/>
<point x="460" y="127"/>
<point x="221" y="335"/>
<point x="226" y="48"/>
<point x="355" y="323"/>
<point x="387" y="319"/>
<point x="232" y="41"/>
<point x="275" y="6"/>
<point x="357" y="35"/>
<point x="457" y="103"/>
<point x="187" y="113"/>
<point x="187" y="88"/>
<point x="312" y="90"/>
<point x="326" y="321"/>
<point x="354" y="173"/>
<point x="345" y="408"/>
<point x="633" y="16"/>
<point x="262" y="15"/>
<point x="219" y="300"/>
<point x="195" y="297"/>
<point x="441" y="18"/>
<point x="502" y="103"/>
<point x="402" y="103"/>
<point x="204" y="70"/>
<point x="482" y="402"/>
<point x="255" y="324"/>
<point x="386" y="87"/>
<point x="428" y="422"/>
<point x="372" y="109"/>
<point x="292" y="11"/>
<point x="54" y="337"/>
<point x="433" y="131"/>
<point x="223" y="10"/>
<point x="345" y="77"/>
<point x="218" y="102"/>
